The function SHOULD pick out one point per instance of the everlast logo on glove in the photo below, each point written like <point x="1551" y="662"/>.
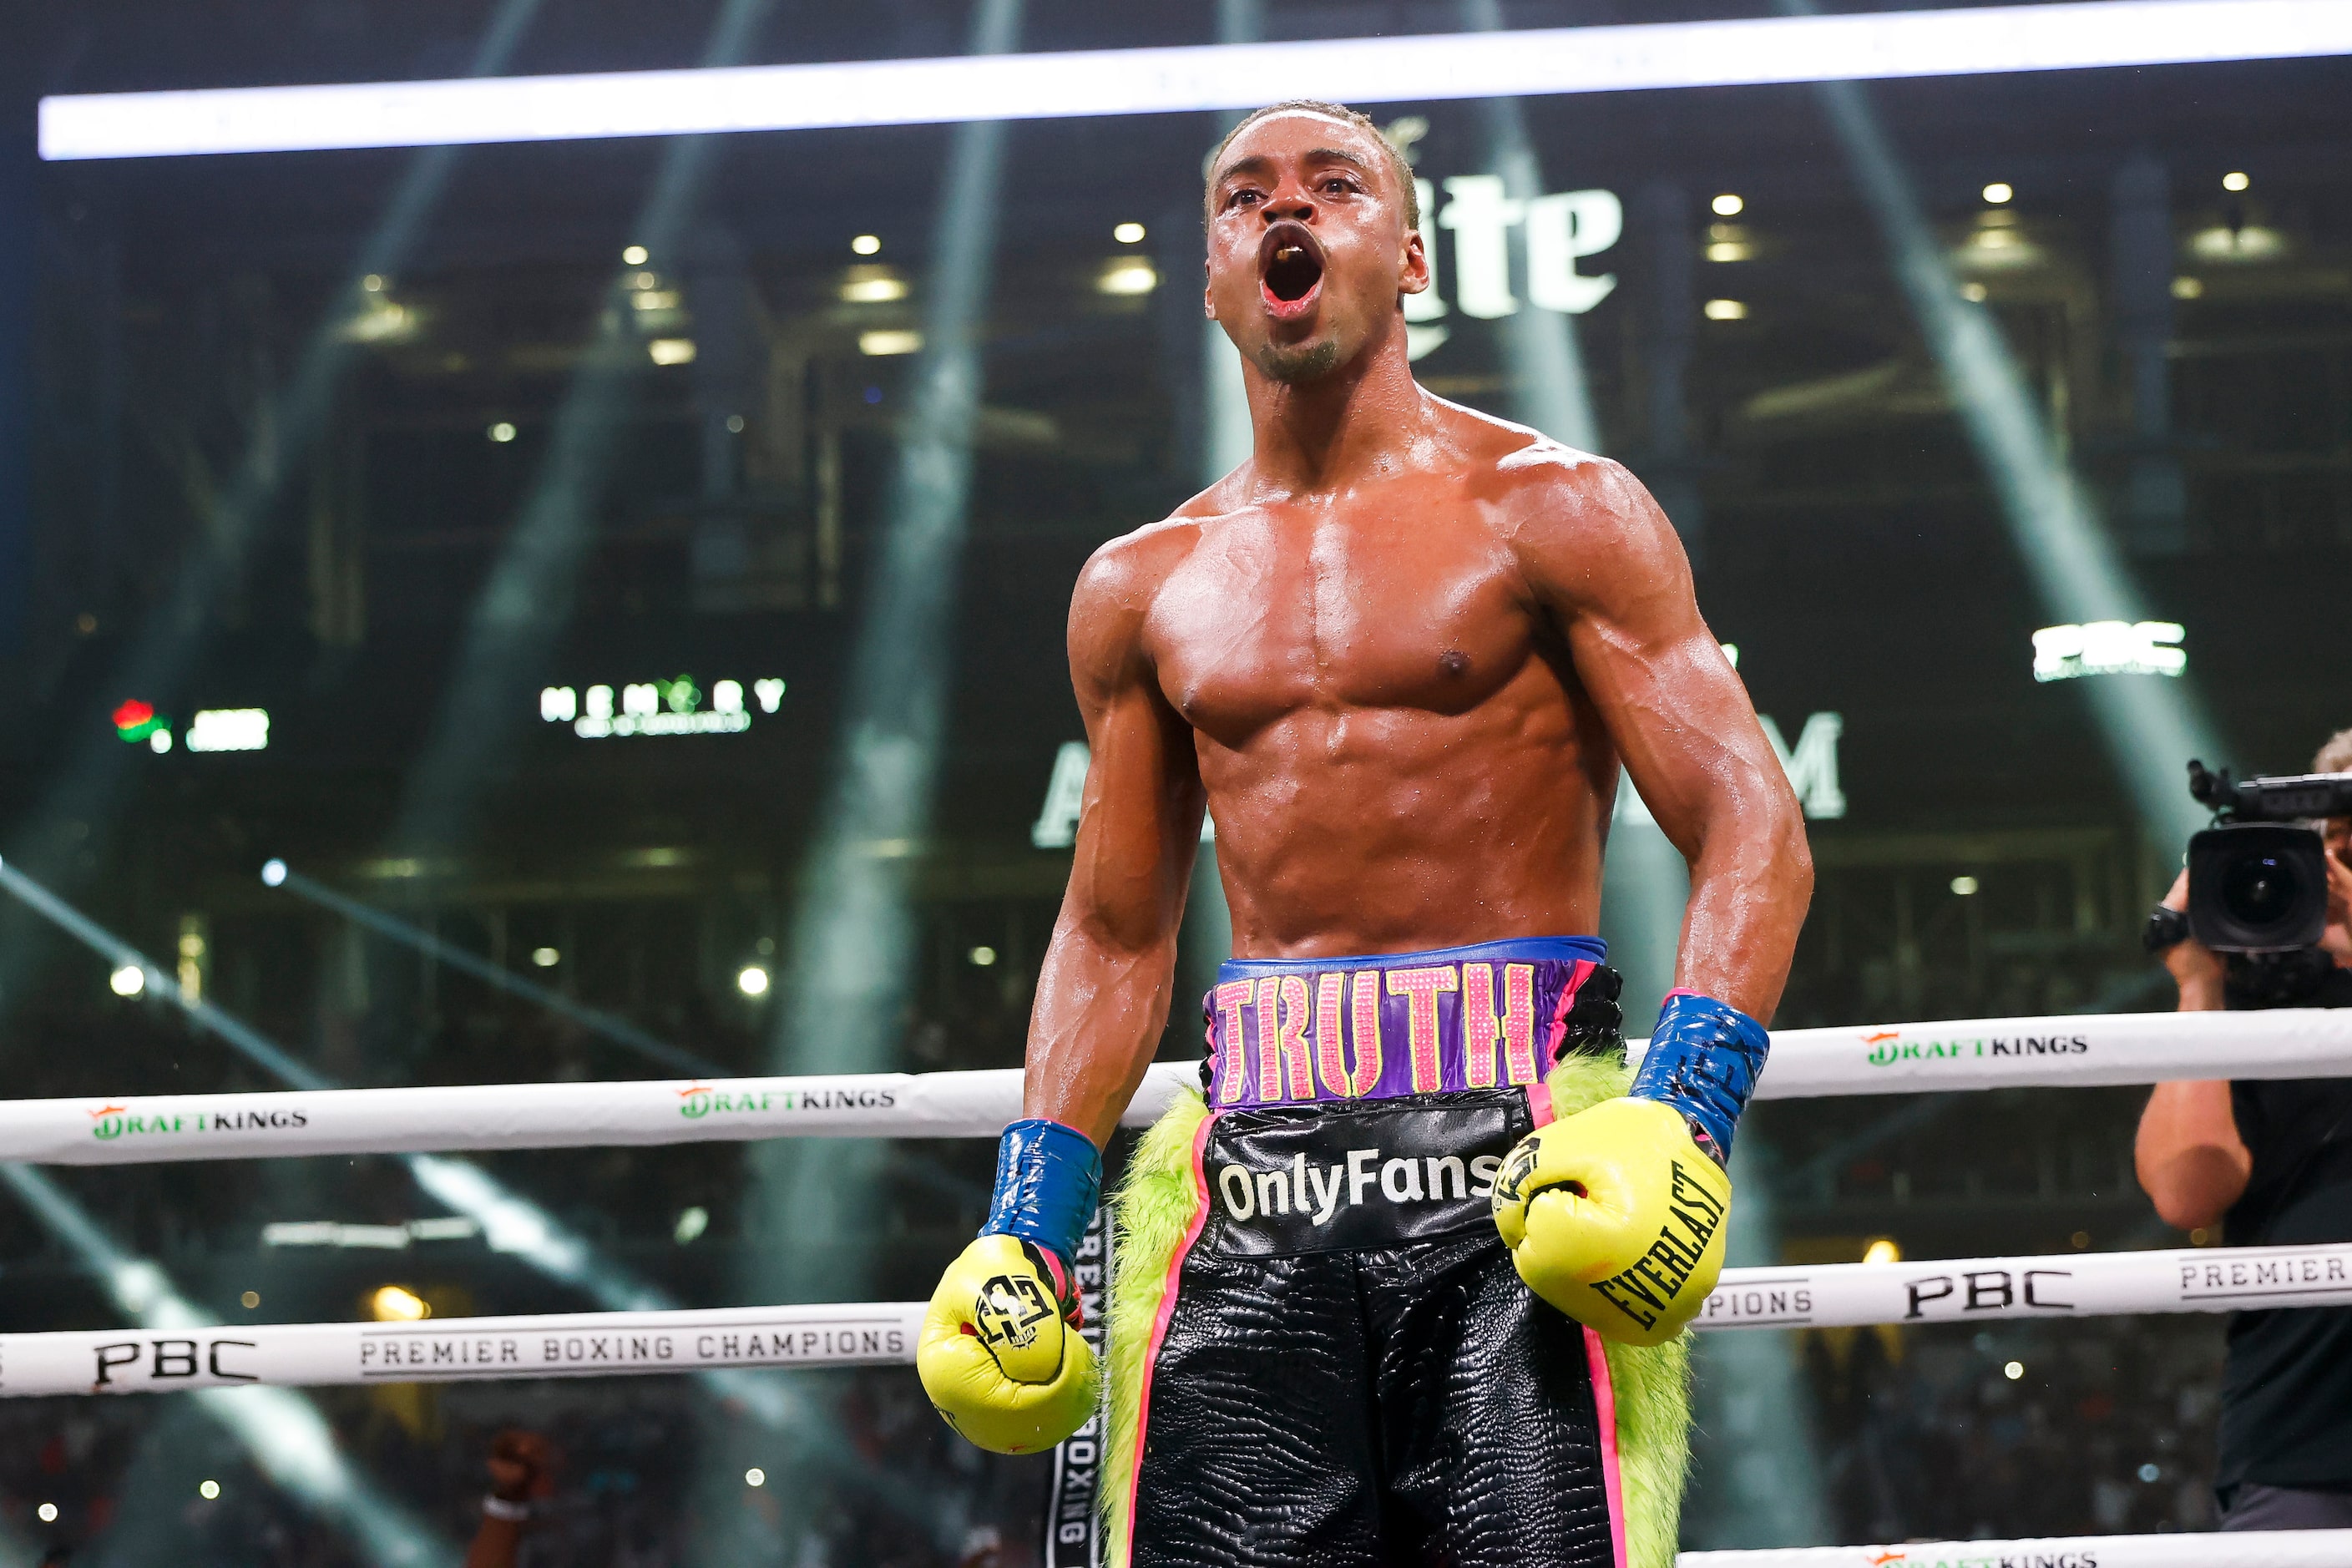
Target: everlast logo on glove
<point x="1008" y="1310"/>
<point x="1657" y="1277"/>
<point x="1382" y="1172"/>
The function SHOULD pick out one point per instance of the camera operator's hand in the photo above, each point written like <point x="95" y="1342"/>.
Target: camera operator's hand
<point x="2187" y="1154"/>
<point x="2195" y="968"/>
<point x="2337" y="939"/>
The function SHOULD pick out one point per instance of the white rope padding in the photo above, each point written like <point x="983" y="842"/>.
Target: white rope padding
<point x="1893" y="1058"/>
<point x="457" y="1349"/>
<point x="2248" y="1549"/>
<point x="2062" y="1285"/>
<point x="2081" y="1051"/>
<point x="597" y="1344"/>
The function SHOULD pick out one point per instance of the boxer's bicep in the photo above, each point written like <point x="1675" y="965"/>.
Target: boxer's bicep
<point x="1609" y="569"/>
<point x="1103" y="991"/>
<point x="1140" y="819"/>
<point x="1611" y="574"/>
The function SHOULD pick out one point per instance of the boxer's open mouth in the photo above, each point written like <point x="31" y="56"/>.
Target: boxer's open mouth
<point x="1290" y="267"/>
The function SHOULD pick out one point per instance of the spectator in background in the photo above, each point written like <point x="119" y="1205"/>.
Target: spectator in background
<point x="522" y="1475"/>
<point x="983" y="1547"/>
<point x="2271" y="1164"/>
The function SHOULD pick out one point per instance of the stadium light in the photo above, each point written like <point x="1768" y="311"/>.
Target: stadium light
<point x="529" y="592"/>
<point x="1960" y="41"/>
<point x="168" y="641"/>
<point x="849" y="960"/>
<point x="1753" y="1408"/>
<point x="847" y="975"/>
<point x="2151" y="727"/>
<point x="511" y="1224"/>
<point x="620" y="1031"/>
<point x="1540" y="354"/>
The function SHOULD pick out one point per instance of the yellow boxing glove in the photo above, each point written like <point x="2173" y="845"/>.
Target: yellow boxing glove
<point x="997" y="1356"/>
<point x="999" y="1353"/>
<point x="1616" y="1215"/>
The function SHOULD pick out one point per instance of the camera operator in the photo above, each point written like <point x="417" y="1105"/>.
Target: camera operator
<point x="2271" y="1163"/>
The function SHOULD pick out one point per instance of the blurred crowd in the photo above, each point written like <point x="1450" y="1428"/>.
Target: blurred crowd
<point x="2023" y="1429"/>
<point x="640" y="1473"/>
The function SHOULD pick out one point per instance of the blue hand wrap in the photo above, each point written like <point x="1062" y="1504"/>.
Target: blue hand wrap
<point x="1703" y="1060"/>
<point x="1048" y="1179"/>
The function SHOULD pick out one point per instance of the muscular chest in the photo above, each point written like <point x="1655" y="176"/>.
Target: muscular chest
<point x="1279" y="611"/>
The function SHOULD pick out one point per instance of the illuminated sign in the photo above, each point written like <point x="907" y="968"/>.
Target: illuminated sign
<point x="212" y="729"/>
<point x="1558" y="229"/>
<point x="671" y="707"/>
<point x="135" y="721"/>
<point x="2109" y="648"/>
<point x="230" y="730"/>
<point x="1184" y="79"/>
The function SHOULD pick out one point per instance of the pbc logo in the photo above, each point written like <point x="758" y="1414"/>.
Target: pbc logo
<point x="1008" y="1310"/>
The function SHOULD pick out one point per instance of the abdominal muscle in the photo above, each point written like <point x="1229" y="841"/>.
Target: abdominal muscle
<point x="1354" y="830"/>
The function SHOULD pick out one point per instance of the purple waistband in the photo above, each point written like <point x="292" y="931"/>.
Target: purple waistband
<point x="1295" y="1031"/>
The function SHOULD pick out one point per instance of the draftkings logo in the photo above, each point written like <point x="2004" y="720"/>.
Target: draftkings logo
<point x="1947" y="1557"/>
<point x="697" y="1100"/>
<point x="1651" y="1286"/>
<point x="1887" y="1046"/>
<point x="112" y="1122"/>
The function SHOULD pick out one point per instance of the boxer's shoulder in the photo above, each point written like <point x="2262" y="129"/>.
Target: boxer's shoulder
<point x="1519" y="475"/>
<point x="1115" y="594"/>
<point x="1125" y="569"/>
<point x="1126" y="573"/>
<point x="1571" y="517"/>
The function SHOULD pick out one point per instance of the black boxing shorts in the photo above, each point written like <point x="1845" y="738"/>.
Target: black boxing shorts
<point x="1344" y="1370"/>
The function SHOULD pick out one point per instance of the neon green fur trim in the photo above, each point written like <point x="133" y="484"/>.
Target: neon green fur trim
<point x="1155" y="1206"/>
<point x="1652" y="1386"/>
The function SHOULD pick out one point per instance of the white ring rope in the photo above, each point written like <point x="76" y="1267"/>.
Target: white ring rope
<point x="457" y="1349"/>
<point x="1836" y="1295"/>
<point x="2064" y="1051"/>
<point x="2249" y="1549"/>
<point x="1893" y="1058"/>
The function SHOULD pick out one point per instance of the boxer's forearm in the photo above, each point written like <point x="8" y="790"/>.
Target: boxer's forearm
<point x="1752" y="882"/>
<point x="1101" y="1005"/>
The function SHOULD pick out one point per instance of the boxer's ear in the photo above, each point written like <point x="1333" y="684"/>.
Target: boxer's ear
<point x="1413" y="264"/>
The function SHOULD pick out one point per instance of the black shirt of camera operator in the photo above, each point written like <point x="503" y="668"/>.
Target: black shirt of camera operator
<point x="2286" y="1393"/>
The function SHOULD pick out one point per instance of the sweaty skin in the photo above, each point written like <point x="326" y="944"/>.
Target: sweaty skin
<point x="1399" y="654"/>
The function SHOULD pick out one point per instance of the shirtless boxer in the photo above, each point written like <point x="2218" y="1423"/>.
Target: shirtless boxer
<point x="1401" y="655"/>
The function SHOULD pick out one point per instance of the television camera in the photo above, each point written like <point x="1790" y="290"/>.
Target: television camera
<point x="2258" y="877"/>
